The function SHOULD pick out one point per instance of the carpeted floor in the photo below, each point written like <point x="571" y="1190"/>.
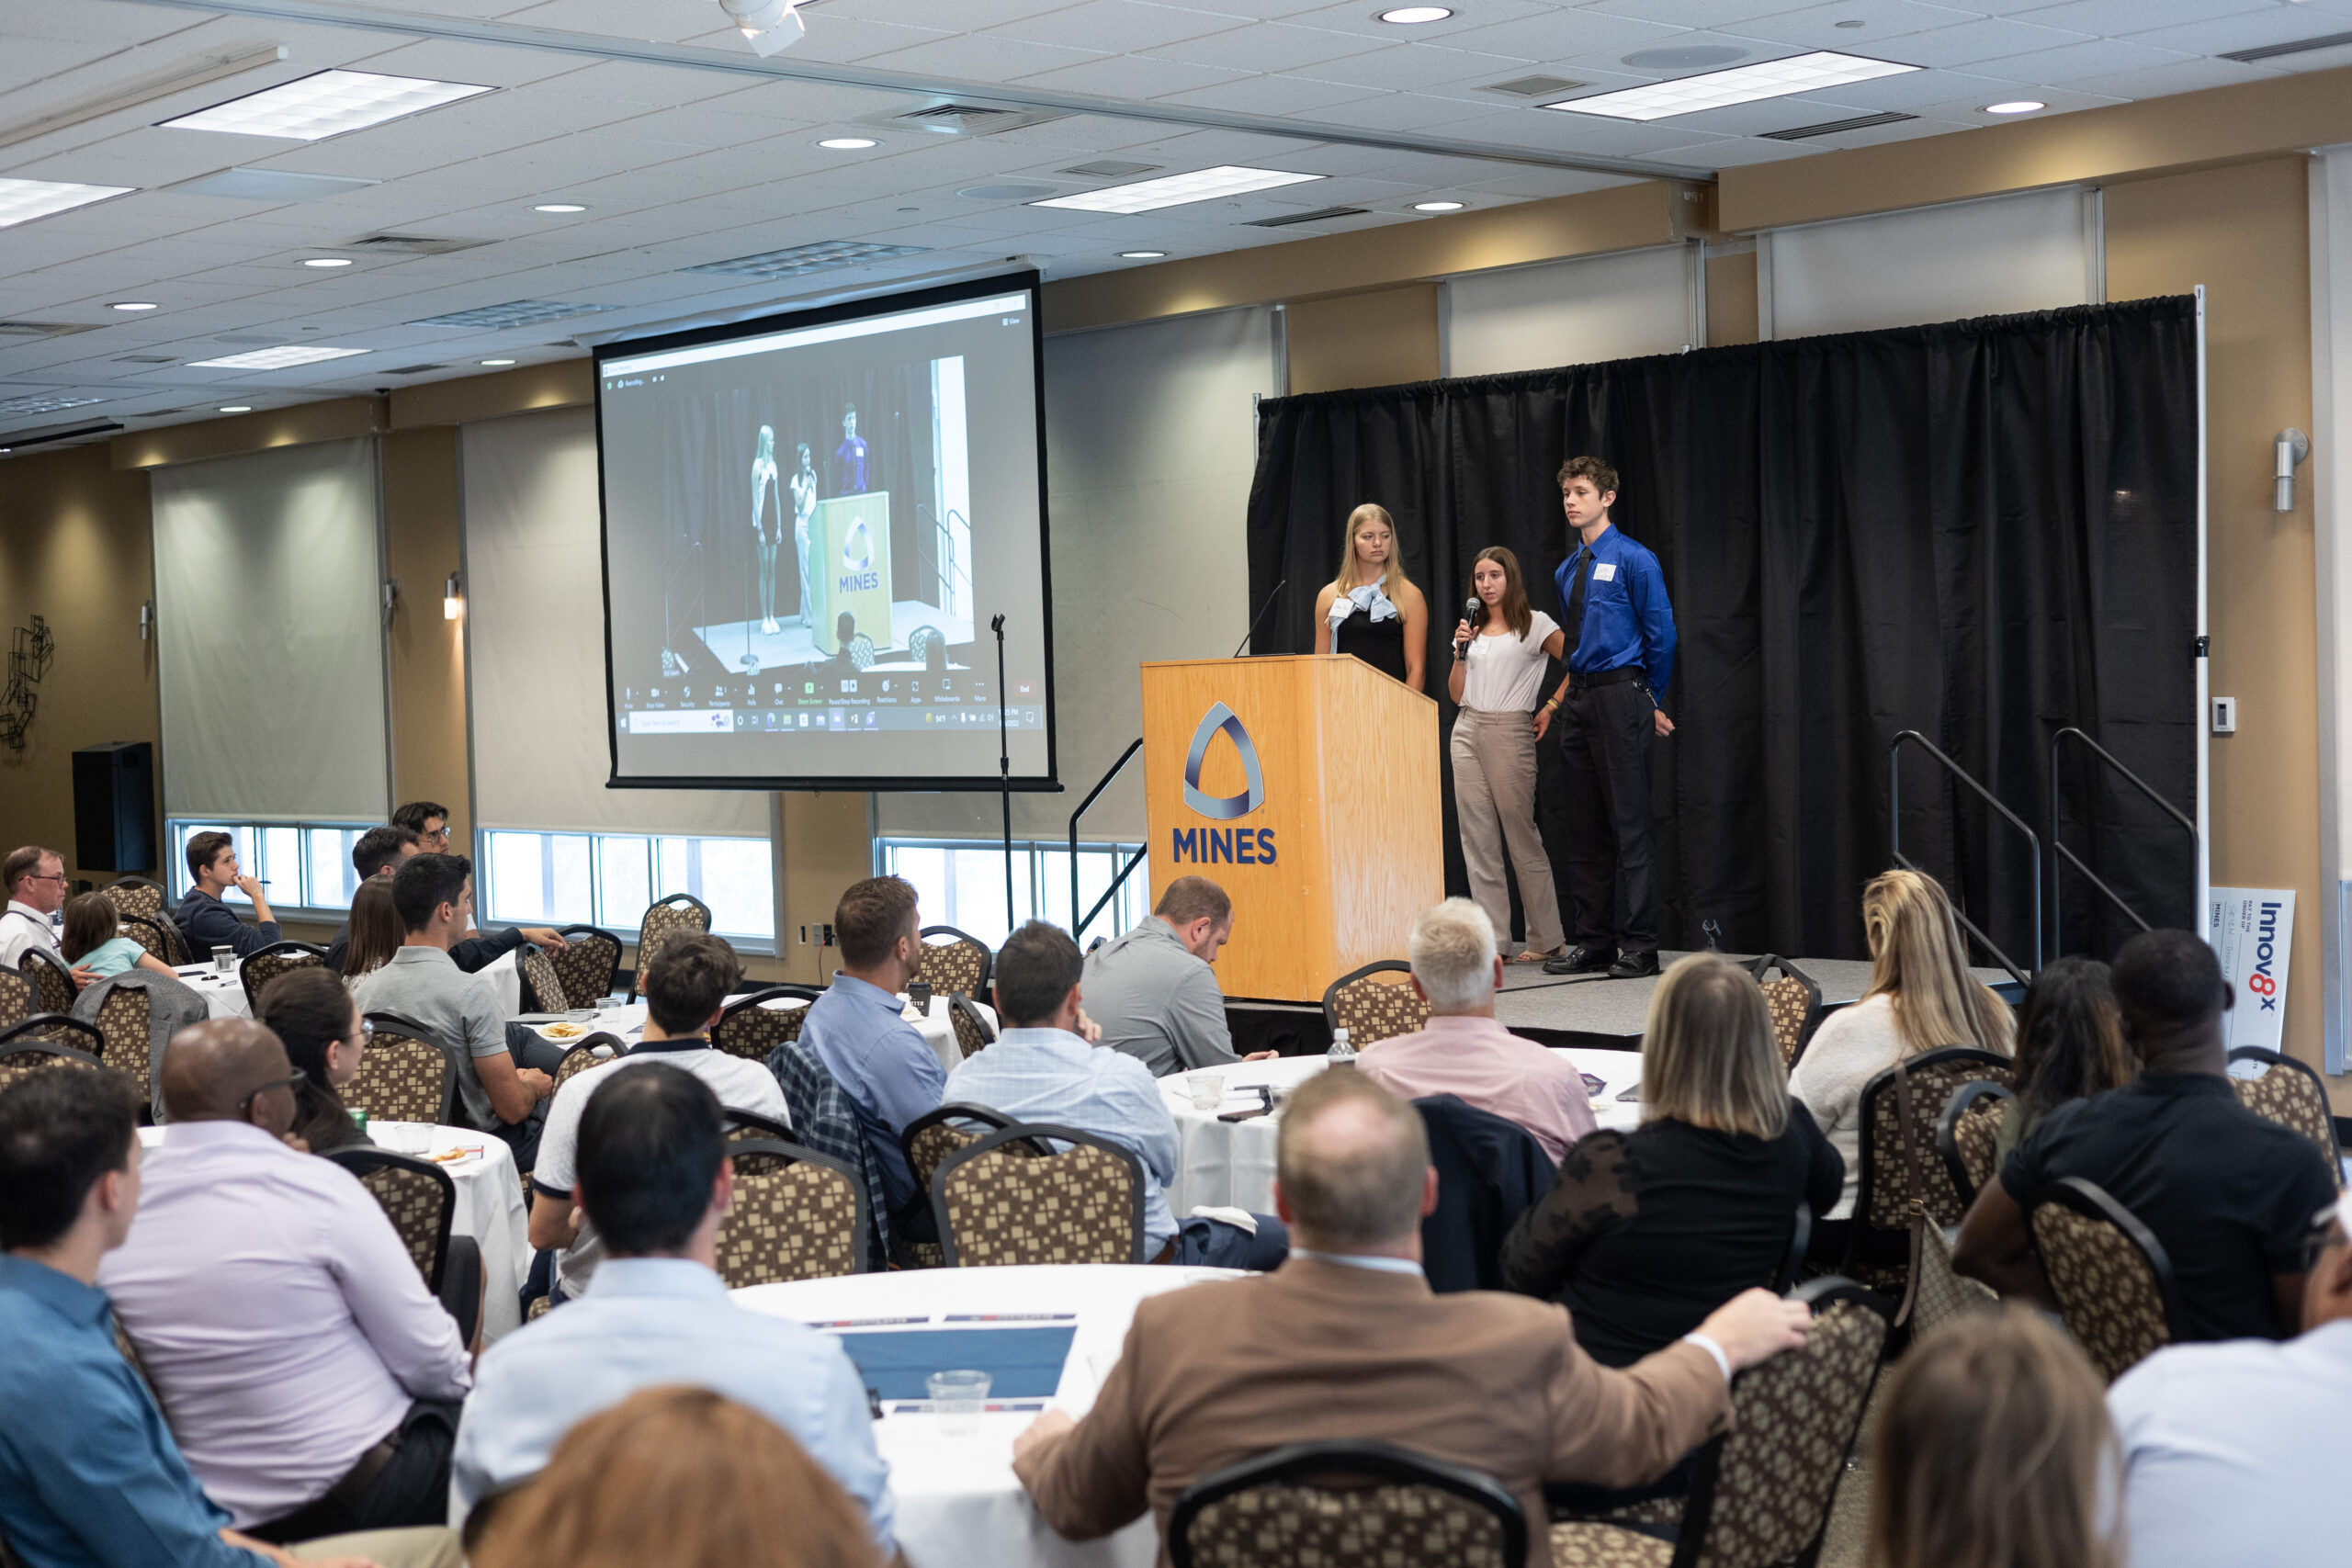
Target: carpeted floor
<point x="1850" y="1514"/>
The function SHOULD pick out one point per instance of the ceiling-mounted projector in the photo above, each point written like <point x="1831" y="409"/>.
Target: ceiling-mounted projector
<point x="772" y="25"/>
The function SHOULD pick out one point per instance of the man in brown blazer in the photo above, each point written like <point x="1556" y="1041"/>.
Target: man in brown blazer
<point x="1346" y="1340"/>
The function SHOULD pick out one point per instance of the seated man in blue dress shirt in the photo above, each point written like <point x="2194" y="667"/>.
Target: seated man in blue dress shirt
<point x="1042" y="1068"/>
<point x="203" y="918"/>
<point x="882" y="1062"/>
<point x="653" y="1176"/>
<point x="89" y="1474"/>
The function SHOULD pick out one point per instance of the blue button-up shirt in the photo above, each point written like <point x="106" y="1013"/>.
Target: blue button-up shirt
<point x="885" y="1066"/>
<point x="89" y="1475"/>
<point x="1626" y="617"/>
<point x="1050" y="1075"/>
<point x="646" y="1322"/>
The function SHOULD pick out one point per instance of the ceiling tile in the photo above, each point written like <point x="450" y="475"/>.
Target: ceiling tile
<point x="1270" y="46"/>
<point x="1274" y="94"/>
<point x="1129" y="76"/>
<point x="1117" y="26"/>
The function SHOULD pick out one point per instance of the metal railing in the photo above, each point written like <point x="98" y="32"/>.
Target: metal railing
<point x="2059" y="855"/>
<point x="1078" y="931"/>
<point x="1895" y="827"/>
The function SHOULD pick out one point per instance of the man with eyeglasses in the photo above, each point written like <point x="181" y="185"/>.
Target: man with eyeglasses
<point x="312" y="1380"/>
<point x="35" y="879"/>
<point x="2234" y="1452"/>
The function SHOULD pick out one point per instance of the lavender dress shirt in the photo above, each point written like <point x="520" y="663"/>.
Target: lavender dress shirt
<point x="1490" y="1069"/>
<point x="282" y="1322"/>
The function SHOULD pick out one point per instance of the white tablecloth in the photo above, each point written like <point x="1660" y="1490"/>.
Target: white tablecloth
<point x="1232" y="1163"/>
<point x="490" y="1209"/>
<point x="938" y="1031"/>
<point x="225" y="993"/>
<point x="959" y="1504"/>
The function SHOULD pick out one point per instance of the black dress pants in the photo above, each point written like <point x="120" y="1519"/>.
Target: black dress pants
<point x="1605" y="735"/>
<point x="412" y="1488"/>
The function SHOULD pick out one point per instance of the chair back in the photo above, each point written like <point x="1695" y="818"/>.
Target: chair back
<point x="999" y="1206"/>
<point x="586" y="964"/>
<point x="416" y="1195"/>
<point x="1760" y="1493"/>
<point x="134" y="898"/>
<point x="1347" y="1505"/>
<point x="680" y="914"/>
<point x="797" y="1215"/>
<point x="824" y="1121"/>
<point x="26" y="1049"/>
<point x="405" y="1076"/>
<point x="973" y="1035"/>
<point x="1490" y="1171"/>
<point x="16" y="998"/>
<point x="953" y="961"/>
<point x="2293" y="1095"/>
<point x="126" y="1025"/>
<point x="161" y="941"/>
<point x="2111" y="1276"/>
<point x="1968" y="1133"/>
<point x="278" y="958"/>
<point x="1878" y="1249"/>
<point x="51" y="981"/>
<point x="1794" y="1000"/>
<point x="542" y="986"/>
<point x="750" y="1027"/>
<point x="583" y="1057"/>
<point x="1371" y="1009"/>
<point x="934" y="1136"/>
<point x="747" y="1125"/>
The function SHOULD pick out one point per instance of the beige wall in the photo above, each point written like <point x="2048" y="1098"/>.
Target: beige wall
<point x="427" y="651"/>
<point x="1362" y="340"/>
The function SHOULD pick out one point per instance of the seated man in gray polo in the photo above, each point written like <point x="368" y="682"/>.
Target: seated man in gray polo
<point x="1152" y="990"/>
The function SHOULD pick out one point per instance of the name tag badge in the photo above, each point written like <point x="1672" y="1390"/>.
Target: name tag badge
<point x="1604" y="572"/>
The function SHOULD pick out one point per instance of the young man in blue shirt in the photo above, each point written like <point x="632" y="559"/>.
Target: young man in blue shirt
<point x="1621" y="654"/>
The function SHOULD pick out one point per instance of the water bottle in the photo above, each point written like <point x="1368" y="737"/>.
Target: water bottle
<point x="1341" y="1053"/>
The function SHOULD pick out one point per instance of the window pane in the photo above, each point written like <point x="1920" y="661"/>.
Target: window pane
<point x="926" y="868"/>
<point x="328" y="879"/>
<point x="675" y="875"/>
<point x="575" y="900"/>
<point x="623" y="880"/>
<point x="739" y="883"/>
<point x="279" y="863"/>
<point x="518" y="873"/>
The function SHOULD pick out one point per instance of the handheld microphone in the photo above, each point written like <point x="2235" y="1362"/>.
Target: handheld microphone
<point x="1269" y="604"/>
<point x="1473" y="610"/>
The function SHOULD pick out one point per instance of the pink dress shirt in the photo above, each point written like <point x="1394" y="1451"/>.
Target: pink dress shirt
<point x="283" y="1324"/>
<point x="1489" y="1068"/>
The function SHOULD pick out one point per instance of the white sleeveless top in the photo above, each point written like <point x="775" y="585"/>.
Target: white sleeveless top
<point x="1505" y="672"/>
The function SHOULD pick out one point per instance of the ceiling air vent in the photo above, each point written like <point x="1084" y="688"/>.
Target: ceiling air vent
<point x="1534" y="86"/>
<point x="953" y="117"/>
<point x="1321" y="215"/>
<point x="21" y="330"/>
<point x="2297" y="46"/>
<point x="1112" y="169"/>
<point x="403" y="245"/>
<point x="143" y="359"/>
<point x="413" y="369"/>
<point x="1831" y="127"/>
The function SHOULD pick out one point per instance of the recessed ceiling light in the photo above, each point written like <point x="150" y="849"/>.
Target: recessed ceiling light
<point x="21" y="201"/>
<point x="1439" y="206"/>
<point x="327" y="103"/>
<point x="559" y="206"/>
<point x="283" y="358"/>
<point x="848" y="144"/>
<point x="1740" y="85"/>
<point x="1175" y="190"/>
<point x="327" y="261"/>
<point x="2016" y="105"/>
<point x="1141" y="256"/>
<point x="498" y="362"/>
<point x="1412" y="16"/>
<point x="235" y="408"/>
<point x="132" y="305"/>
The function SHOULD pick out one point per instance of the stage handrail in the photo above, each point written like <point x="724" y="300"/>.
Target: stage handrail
<point x="2057" y="891"/>
<point x="1894" y="835"/>
<point x="1078" y="932"/>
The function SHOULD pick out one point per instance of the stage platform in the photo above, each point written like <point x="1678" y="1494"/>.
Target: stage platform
<point x="1559" y="1009"/>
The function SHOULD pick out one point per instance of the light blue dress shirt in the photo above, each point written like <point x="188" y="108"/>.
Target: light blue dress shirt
<point x="645" y="1322"/>
<point x="1050" y="1075"/>
<point x="882" y="1062"/>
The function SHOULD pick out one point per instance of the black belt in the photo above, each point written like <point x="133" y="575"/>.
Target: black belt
<point x="1580" y="682"/>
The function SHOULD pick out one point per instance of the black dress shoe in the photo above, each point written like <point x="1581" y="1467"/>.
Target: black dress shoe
<point x="1584" y="961"/>
<point x="1634" y="967"/>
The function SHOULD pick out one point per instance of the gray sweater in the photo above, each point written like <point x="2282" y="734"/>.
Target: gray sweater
<point x="1157" y="1002"/>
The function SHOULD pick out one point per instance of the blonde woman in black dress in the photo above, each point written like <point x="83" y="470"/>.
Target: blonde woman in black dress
<point x="1371" y="609"/>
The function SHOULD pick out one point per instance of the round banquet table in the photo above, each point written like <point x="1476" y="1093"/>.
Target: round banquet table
<point x="629" y="1022"/>
<point x="959" y="1504"/>
<point x="224" y="995"/>
<point x="1231" y="1164"/>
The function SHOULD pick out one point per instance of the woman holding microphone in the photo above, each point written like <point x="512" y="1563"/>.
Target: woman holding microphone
<point x="1498" y="670"/>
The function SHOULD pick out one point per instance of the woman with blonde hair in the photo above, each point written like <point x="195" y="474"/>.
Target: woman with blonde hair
<point x="1498" y="672"/>
<point x="1921" y="998"/>
<point x="1994" y="1450"/>
<point x="1371" y="609"/>
<point x="683" y="1477"/>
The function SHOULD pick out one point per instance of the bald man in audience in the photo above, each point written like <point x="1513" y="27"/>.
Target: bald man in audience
<point x="312" y="1380"/>
<point x="1346" y="1341"/>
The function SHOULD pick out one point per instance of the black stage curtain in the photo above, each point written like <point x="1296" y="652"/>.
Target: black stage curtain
<point x="1984" y="530"/>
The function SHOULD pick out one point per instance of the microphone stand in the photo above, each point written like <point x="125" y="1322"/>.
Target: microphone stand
<point x="1003" y="770"/>
<point x="1261" y="621"/>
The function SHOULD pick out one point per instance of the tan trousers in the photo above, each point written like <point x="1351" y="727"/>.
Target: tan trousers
<point x="1494" y="796"/>
<point x="427" y="1547"/>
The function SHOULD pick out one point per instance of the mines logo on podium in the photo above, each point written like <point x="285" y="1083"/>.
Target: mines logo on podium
<point x="1234" y="846"/>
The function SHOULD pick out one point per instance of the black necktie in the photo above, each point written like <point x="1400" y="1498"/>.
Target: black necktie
<point x="1582" y="566"/>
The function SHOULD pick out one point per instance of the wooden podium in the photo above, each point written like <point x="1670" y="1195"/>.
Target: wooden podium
<point x="1307" y="787"/>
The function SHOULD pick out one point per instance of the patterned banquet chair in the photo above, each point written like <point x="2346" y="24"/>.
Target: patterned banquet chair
<point x="1760" y="1494"/>
<point x="161" y="941"/>
<point x="52" y="982"/>
<point x="680" y="914"/>
<point x="586" y="964"/>
<point x="1376" y="1505"/>
<point x="16" y="998"/>
<point x="121" y="1005"/>
<point x="583" y="1057"/>
<point x="744" y="1125"/>
<point x="421" y="1200"/>
<point x="404" y="1075"/>
<point x="278" y="958"/>
<point x="1001" y="1206"/>
<point x="748" y="1028"/>
<point x="542" y="986"/>
<point x="1967" y="1134"/>
<point x="2111" y="1276"/>
<point x="1371" y="1009"/>
<point x="797" y="1215"/>
<point x="973" y="1035"/>
<point x="2291" y="1094"/>
<point x="955" y="964"/>
<point x="33" y="1046"/>
<point x="1878" y="1246"/>
<point x="1794" y="1000"/>
<point x="135" y="897"/>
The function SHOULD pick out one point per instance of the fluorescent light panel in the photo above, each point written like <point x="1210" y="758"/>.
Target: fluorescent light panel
<point x="327" y="103"/>
<point x="284" y="358"/>
<point x="21" y="201"/>
<point x="44" y="402"/>
<point x="1175" y="190"/>
<point x="1740" y="85"/>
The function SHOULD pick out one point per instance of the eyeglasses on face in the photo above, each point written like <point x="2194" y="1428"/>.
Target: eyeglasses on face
<point x="246" y="1106"/>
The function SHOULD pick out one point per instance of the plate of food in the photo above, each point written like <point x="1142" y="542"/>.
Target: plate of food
<point x="564" y="1029"/>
